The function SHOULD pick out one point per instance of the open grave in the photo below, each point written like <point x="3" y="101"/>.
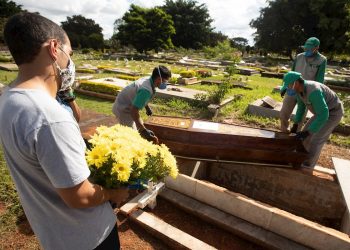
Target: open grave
<point x="275" y="206"/>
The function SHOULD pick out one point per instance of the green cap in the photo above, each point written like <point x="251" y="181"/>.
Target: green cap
<point x="312" y="42"/>
<point x="289" y="78"/>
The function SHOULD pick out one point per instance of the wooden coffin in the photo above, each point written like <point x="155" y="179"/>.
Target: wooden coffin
<point x="209" y="140"/>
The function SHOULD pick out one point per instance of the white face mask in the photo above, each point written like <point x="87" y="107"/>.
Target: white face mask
<point x="162" y="85"/>
<point x="67" y="75"/>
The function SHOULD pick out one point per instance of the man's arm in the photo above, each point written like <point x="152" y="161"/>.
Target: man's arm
<point x="321" y="72"/>
<point x="141" y="99"/>
<point x="86" y="195"/>
<point x="301" y="108"/>
<point x="137" y="118"/>
<point x="76" y="110"/>
<point x="321" y="111"/>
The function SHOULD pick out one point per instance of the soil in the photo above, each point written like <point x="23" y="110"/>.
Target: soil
<point x="329" y="151"/>
<point x="133" y="236"/>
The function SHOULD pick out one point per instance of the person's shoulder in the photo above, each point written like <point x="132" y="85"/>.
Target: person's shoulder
<point x="299" y="56"/>
<point x="323" y="57"/>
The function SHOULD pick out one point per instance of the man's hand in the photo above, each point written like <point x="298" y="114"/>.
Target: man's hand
<point x="302" y="135"/>
<point x="294" y="128"/>
<point x="149" y="135"/>
<point x="119" y="195"/>
<point x="148" y="110"/>
<point x="283" y="93"/>
<point x="66" y="95"/>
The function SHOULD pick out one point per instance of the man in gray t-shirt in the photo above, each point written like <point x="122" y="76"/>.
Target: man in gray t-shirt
<point x="43" y="146"/>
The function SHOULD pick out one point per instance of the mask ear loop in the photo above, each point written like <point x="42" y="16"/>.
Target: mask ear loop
<point x="161" y="80"/>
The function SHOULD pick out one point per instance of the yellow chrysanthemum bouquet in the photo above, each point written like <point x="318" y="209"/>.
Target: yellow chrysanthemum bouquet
<point x="120" y="156"/>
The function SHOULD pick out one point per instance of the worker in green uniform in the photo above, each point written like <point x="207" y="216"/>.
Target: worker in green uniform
<point x="312" y="66"/>
<point x="136" y="96"/>
<point x="323" y="103"/>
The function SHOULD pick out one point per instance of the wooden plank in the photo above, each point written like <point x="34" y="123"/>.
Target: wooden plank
<point x="131" y="205"/>
<point x="230" y="223"/>
<point x="169" y="234"/>
<point x="270" y="218"/>
<point x="342" y="168"/>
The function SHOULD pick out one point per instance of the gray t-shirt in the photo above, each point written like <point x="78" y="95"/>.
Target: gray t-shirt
<point x="44" y="150"/>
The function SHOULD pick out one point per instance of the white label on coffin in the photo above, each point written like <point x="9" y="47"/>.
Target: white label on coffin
<point x="206" y="125"/>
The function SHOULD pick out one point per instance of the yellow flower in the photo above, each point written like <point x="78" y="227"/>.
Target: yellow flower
<point x="122" y="171"/>
<point x="125" y="151"/>
<point x="97" y="156"/>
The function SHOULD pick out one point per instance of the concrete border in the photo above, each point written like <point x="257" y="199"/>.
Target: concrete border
<point x="172" y="236"/>
<point x="230" y="223"/>
<point x="270" y="218"/>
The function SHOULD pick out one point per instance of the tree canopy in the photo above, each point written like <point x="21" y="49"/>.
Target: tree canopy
<point x="192" y="23"/>
<point x="7" y="9"/>
<point x="239" y="42"/>
<point x="285" y="24"/>
<point x="83" y="32"/>
<point x="145" y="29"/>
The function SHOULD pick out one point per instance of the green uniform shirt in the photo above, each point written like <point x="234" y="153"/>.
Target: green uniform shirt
<point x="311" y="68"/>
<point x="142" y="97"/>
<point x="320" y="100"/>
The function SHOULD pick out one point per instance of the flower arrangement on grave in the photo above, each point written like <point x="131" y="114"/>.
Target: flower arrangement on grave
<point x="119" y="156"/>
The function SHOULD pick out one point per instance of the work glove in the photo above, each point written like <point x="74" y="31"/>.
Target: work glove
<point x="294" y="128"/>
<point x="66" y="95"/>
<point x="302" y="135"/>
<point x="283" y="92"/>
<point x="148" y="134"/>
<point x="148" y="110"/>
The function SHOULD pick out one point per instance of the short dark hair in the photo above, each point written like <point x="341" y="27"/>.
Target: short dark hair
<point x="164" y="72"/>
<point x="24" y="34"/>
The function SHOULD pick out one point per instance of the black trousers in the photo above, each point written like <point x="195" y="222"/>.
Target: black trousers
<point x="111" y="242"/>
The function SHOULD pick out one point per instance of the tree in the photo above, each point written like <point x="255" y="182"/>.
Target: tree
<point x="222" y="51"/>
<point x="7" y="9"/>
<point x="285" y="24"/>
<point x="192" y="23"/>
<point x="83" y="32"/>
<point x="145" y="29"/>
<point x="240" y="43"/>
<point x="215" y="38"/>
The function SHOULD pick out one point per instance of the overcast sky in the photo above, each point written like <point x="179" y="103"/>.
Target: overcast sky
<point x="231" y="17"/>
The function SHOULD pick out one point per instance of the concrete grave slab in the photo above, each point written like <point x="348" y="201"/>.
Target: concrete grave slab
<point x="229" y="222"/>
<point x="123" y="71"/>
<point x="259" y="108"/>
<point x="169" y="234"/>
<point x="247" y="71"/>
<point x="342" y="168"/>
<point x="285" y="224"/>
<point x="8" y="66"/>
<point x="179" y="92"/>
<point x="112" y="81"/>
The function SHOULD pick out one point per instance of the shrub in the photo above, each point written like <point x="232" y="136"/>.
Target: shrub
<point x="187" y="73"/>
<point x="204" y="73"/>
<point x="88" y="71"/>
<point x="85" y="51"/>
<point x="173" y="80"/>
<point x="5" y="59"/>
<point x="100" y="87"/>
<point x="104" y="67"/>
<point x="126" y="77"/>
